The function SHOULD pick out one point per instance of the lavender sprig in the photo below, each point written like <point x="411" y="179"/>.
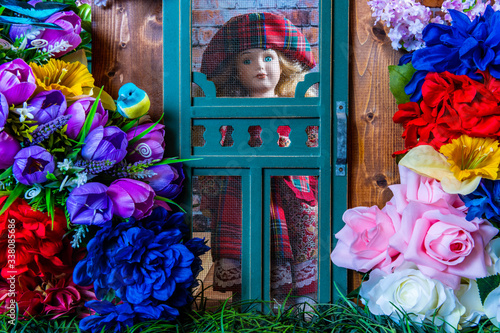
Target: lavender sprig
<point x="94" y="167"/>
<point x="43" y="131"/>
<point x="79" y="235"/>
<point x="135" y="170"/>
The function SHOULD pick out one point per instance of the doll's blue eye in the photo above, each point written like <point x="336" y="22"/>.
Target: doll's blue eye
<point x="247" y="61"/>
<point x="268" y="59"/>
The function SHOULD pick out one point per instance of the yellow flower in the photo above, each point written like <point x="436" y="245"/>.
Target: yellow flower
<point x="71" y="78"/>
<point x="473" y="157"/>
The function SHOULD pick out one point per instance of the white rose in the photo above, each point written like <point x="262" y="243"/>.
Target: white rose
<point x="492" y="306"/>
<point x="412" y="292"/>
<point x="468" y="296"/>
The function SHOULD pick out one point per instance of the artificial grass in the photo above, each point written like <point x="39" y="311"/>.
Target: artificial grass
<point x="343" y="316"/>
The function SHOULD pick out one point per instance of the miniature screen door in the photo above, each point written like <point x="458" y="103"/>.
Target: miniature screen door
<point x="267" y="183"/>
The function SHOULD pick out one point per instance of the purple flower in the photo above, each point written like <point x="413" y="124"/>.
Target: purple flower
<point x="9" y="147"/>
<point x="131" y="198"/>
<point x="59" y="42"/>
<point x="32" y="164"/>
<point x="168" y="179"/>
<point x="105" y="143"/>
<point x="79" y="111"/>
<point x="90" y="204"/>
<point x="17" y="81"/>
<point x="151" y="145"/>
<point x="4" y="111"/>
<point x="49" y="105"/>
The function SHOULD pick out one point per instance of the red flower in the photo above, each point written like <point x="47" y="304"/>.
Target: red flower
<point x="451" y="105"/>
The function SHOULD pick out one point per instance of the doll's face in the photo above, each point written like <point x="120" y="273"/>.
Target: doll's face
<point x="259" y="71"/>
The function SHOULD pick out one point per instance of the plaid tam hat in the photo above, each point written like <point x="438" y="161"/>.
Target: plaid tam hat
<point x="256" y="30"/>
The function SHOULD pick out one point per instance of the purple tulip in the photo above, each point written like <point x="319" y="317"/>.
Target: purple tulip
<point x="4" y="111"/>
<point x="59" y="42"/>
<point x="17" y="81"/>
<point x="168" y="179"/>
<point x="90" y="204"/>
<point x="131" y="198"/>
<point x="79" y="111"/>
<point x="9" y="147"/>
<point x="105" y="143"/>
<point x="32" y="164"/>
<point x="49" y="105"/>
<point x="151" y="145"/>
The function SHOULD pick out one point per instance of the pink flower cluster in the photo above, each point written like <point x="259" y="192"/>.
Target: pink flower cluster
<point x="407" y="19"/>
<point x="421" y="225"/>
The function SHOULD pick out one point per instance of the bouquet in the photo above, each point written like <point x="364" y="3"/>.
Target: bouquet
<point x="79" y="168"/>
<point x="432" y="253"/>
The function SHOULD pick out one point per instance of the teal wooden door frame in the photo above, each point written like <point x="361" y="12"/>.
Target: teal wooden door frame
<point x="256" y="166"/>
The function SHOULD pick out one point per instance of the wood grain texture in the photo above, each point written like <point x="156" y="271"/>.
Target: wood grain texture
<point x="373" y="135"/>
<point x="127" y="46"/>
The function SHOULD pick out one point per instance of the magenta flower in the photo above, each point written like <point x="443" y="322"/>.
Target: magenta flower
<point x="32" y="164"/>
<point x="9" y="147"/>
<point x="131" y="198"/>
<point x="49" y="105"/>
<point x="90" y="204"/>
<point x="168" y="179"/>
<point x="4" y="111"/>
<point x="151" y="145"/>
<point x="105" y="143"/>
<point x="17" y="81"/>
<point x="79" y="111"/>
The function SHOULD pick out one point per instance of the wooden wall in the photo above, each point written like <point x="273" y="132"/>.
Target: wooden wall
<point x="128" y="46"/>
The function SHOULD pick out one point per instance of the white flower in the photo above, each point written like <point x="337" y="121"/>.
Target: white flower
<point x="64" y="165"/>
<point x="24" y="112"/>
<point x="492" y="306"/>
<point x="494" y="252"/>
<point x="408" y="290"/>
<point x="468" y="296"/>
<point x="81" y="178"/>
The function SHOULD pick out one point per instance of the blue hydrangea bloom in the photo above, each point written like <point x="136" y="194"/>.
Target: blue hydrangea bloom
<point x="145" y="263"/>
<point x="461" y="49"/>
<point x="484" y="202"/>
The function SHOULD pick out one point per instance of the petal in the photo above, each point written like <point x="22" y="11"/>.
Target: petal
<point x="426" y="161"/>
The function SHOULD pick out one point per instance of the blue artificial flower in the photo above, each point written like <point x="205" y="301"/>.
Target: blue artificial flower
<point x="484" y="202"/>
<point x="461" y="49"/>
<point x="145" y="262"/>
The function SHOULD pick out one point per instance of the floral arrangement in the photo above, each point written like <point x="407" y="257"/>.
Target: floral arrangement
<point x="432" y="252"/>
<point x="79" y="168"/>
<point x="408" y="18"/>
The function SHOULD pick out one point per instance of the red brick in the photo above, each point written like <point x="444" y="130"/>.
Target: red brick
<point x="312" y="34"/>
<point x="314" y="17"/>
<point x="297" y="17"/>
<point x="207" y="17"/>
<point x="315" y="51"/>
<point x="205" y="35"/>
<point x="194" y="36"/>
<point x="196" y="56"/>
<point x="204" y="4"/>
<point x="307" y="4"/>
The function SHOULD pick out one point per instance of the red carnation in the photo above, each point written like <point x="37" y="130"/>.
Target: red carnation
<point x="451" y="105"/>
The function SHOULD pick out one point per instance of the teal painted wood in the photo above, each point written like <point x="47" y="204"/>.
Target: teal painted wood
<point x="255" y="165"/>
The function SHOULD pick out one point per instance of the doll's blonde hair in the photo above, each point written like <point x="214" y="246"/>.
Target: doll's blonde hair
<point x="227" y="83"/>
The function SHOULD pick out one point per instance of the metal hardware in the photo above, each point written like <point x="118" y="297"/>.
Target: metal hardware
<point x="341" y="162"/>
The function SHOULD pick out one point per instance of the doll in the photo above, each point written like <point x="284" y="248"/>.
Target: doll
<point x="262" y="55"/>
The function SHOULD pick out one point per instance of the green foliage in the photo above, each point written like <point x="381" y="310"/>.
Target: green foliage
<point x="399" y="76"/>
<point x="487" y="284"/>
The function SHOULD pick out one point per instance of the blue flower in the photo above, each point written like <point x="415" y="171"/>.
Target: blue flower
<point x="484" y="202"/>
<point x="145" y="263"/>
<point x="461" y="49"/>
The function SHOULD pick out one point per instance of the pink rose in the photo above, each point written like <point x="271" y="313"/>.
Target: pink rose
<point x="415" y="187"/>
<point x="442" y="243"/>
<point x="364" y="240"/>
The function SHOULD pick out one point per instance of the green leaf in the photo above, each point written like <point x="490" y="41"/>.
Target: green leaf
<point x="487" y="284"/>
<point x="6" y="174"/>
<point x="88" y="121"/>
<point x="170" y="202"/>
<point x="50" y="205"/>
<point x="170" y="161"/>
<point x="399" y="76"/>
<point x="51" y="176"/>
<point x="149" y="129"/>
<point x="130" y="125"/>
<point x="14" y="194"/>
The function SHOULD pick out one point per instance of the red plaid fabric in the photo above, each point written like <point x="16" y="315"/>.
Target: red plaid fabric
<point x="255" y="30"/>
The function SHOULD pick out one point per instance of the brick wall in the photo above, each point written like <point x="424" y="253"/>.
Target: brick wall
<point x="209" y="15"/>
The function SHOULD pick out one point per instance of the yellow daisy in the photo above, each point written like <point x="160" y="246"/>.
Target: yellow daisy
<point x="71" y="78"/>
<point x="473" y="157"/>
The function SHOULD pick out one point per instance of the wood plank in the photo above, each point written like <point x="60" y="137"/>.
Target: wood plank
<point x="127" y="46"/>
<point x="373" y="136"/>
